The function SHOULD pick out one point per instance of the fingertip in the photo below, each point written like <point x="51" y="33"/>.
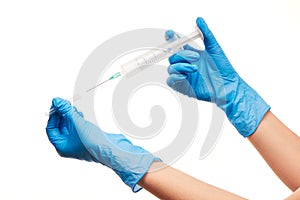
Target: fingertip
<point x="201" y="23"/>
<point x="186" y="56"/>
<point x="190" y="48"/>
<point x="169" y="34"/>
<point x="172" y="69"/>
<point x="57" y="101"/>
<point x="181" y="68"/>
<point x="175" y="78"/>
<point x="204" y="28"/>
<point x="170" y="81"/>
<point x="200" y="20"/>
<point x="62" y="106"/>
<point x="210" y="42"/>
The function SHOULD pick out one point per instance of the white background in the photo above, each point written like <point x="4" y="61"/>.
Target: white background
<point x="43" y="45"/>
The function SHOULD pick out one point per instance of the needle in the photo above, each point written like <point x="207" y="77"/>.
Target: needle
<point x="116" y="75"/>
<point x="77" y="97"/>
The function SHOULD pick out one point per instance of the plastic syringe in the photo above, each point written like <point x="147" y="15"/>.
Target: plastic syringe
<point x="157" y="54"/>
<point x="151" y="57"/>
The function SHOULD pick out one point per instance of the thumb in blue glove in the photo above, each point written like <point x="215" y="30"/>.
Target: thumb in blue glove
<point x="74" y="137"/>
<point x="208" y="75"/>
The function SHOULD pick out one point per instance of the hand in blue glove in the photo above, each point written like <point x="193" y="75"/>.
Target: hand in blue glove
<point x="208" y="75"/>
<point x="74" y="137"/>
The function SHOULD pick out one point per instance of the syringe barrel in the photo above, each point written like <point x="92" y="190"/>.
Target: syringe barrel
<point x="157" y="54"/>
<point x="151" y="57"/>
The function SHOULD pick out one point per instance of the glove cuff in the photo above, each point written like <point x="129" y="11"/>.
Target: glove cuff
<point x="246" y="110"/>
<point x="131" y="178"/>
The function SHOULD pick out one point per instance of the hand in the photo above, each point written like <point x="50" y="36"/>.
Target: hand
<point x="74" y="137"/>
<point x="208" y="75"/>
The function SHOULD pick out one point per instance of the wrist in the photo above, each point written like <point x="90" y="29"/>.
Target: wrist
<point x="246" y="109"/>
<point x="133" y="161"/>
<point x="142" y="167"/>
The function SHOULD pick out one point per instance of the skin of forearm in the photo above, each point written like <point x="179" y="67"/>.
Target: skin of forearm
<point x="295" y="195"/>
<point x="277" y="144"/>
<point x="280" y="148"/>
<point x="168" y="183"/>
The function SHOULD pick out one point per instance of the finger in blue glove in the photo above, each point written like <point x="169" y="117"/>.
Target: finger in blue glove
<point x="75" y="137"/>
<point x="208" y="75"/>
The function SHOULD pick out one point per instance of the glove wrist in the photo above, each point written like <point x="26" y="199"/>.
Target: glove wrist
<point x="132" y="177"/>
<point x="246" y="108"/>
<point x="115" y="151"/>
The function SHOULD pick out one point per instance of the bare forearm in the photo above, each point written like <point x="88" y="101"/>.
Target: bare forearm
<point x="280" y="148"/>
<point x="169" y="183"/>
<point x="277" y="144"/>
<point x="295" y="195"/>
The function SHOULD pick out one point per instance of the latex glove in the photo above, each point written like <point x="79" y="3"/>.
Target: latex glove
<point x="208" y="75"/>
<point x="74" y="137"/>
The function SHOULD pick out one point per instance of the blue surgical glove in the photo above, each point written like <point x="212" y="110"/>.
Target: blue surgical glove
<point x="208" y="75"/>
<point x="74" y="137"/>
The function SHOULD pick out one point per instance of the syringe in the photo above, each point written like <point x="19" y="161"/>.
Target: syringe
<point x="151" y="57"/>
<point x="157" y="54"/>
